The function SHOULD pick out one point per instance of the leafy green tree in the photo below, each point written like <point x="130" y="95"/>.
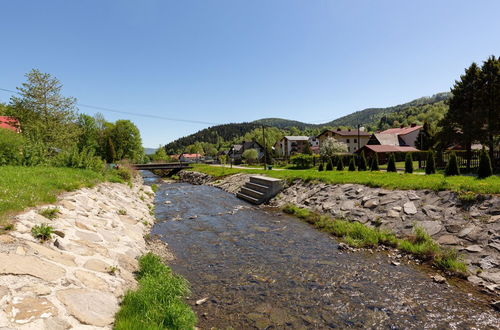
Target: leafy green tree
<point x="89" y="137"/>
<point x="330" y="146"/>
<point x="11" y="144"/>
<point x="160" y="155"/>
<point x="302" y="161"/>
<point x="127" y="141"/>
<point x="463" y="122"/>
<point x="430" y="166"/>
<point x="340" y="164"/>
<point x="250" y="155"/>
<point x="425" y="138"/>
<point x="374" y="163"/>
<point x="408" y="163"/>
<point x="307" y="149"/>
<point x="452" y="166"/>
<point x="352" y="164"/>
<point x="485" y="170"/>
<point x="391" y="165"/>
<point x="45" y="115"/>
<point x="362" y="166"/>
<point x="196" y="148"/>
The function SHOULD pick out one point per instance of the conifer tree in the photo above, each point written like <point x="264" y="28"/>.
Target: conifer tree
<point x="329" y="165"/>
<point x="408" y="163"/>
<point x="391" y="165"/>
<point x="340" y="164"/>
<point x="362" y="162"/>
<point x="485" y="169"/>
<point x="374" y="164"/>
<point x="320" y="168"/>
<point x="452" y="166"/>
<point x="430" y="166"/>
<point x="352" y="164"/>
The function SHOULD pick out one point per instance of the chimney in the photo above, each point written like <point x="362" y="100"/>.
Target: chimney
<point x="348" y="129"/>
<point x="413" y="125"/>
<point x="338" y="129"/>
<point x="402" y="126"/>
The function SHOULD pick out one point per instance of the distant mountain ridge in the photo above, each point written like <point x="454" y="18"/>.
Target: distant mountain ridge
<point x="368" y="117"/>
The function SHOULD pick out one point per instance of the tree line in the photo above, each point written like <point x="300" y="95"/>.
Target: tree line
<point x="54" y="133"/>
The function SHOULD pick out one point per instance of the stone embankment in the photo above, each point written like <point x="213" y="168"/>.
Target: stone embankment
<point x="473" y="228"/>
<point x="77" y="278"/>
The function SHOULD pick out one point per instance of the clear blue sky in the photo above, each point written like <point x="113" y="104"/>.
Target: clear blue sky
<point x="236" y="60"/>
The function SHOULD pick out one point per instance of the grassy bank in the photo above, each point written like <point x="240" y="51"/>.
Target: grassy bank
<point x="158" y="302"/>
<point x="435" y="182"/>
<point x="22" y="187"/>
<point x="358" y="235"/>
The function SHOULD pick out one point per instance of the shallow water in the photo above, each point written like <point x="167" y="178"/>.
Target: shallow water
<point x="262" y="269"/>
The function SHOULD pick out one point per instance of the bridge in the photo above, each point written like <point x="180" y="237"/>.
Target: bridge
<point x="168" y="169"/>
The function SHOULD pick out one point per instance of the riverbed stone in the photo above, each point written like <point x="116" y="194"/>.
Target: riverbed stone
<point x="431" y="227"/>
<point x="88" y="236"/>
<point x="23" y="310"/>
<point x="56" y="323"/>
<point x="372" y="203"/>
<point x="448" y="240"/>
<point x="347" y="205"/>
<point x="474" y="248"/>
<point x="90" y="307"/>
<point x="29" y="265"/>
<point x="393" y="214"/>
<point x="410" y="208"/>
<point x="490" y="276"/>
<point x="56" y="256"/>
<point x="91" y="281"/>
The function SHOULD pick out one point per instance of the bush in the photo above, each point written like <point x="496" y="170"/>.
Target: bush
<point x="374" y="164"/>
<point x="11" y="144"/>
<point x="74" y="158"/>
<point x="452" y="166"/>
<point x="352" y="164"/>
<point x="42" y="232"/>
<point x="250" y="155"/>
<point x="363" y="165"/>
<point x="391" y="165"/>
<point x="329" y="165"/>
<point x="50" y="213"/>
<point x="409" y="163"/>
<point x="340" y="164"/>
<point x="320" y="168"/>
<point x="430" y="166"/>
<point x="302" y="161"/>
<point x="485" y="170"/>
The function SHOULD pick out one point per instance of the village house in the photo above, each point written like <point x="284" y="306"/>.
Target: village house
<point x="10" y="123"/>
<point x="237" y="150"/>
<point x="353" y="138"/>
<point x="290" y="145"/>
<point x="190" y="158"/>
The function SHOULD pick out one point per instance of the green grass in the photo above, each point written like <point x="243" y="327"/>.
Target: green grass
<point x="158" y="302"/>
<point x="359" y="235"/>
<point x="436" y="182"/>
<point x="43" y="232"/>
<point x="50" y="213"/>
<point x="22" y="187"/>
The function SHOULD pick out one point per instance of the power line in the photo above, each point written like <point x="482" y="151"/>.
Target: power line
<point x="132" y="113"/>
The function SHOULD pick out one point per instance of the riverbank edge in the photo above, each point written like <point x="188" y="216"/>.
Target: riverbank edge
<point x="301" y="194"/>
<point x="77" y="277"/>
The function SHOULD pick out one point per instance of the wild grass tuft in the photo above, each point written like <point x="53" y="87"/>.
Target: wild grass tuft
<point x="50" y="212"/>
<point x="43" y="232"/>
<point x="158" y="303"/>
<point x="358" y="235"/>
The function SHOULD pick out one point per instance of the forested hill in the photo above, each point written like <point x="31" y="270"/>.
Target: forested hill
<point x="372" y="116"/>
<point x="214" y="135"/>
<point x="430" y="109"/>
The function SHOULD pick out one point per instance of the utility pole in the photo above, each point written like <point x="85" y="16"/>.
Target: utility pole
<point x="264" y="146"/>
<point x="359" y="125"/>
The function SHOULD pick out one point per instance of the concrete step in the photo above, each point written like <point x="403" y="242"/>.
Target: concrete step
<point x="256" y="186"/>
<point x="254" y="193"/>
<point x="264" y="181"/>
<point x="250" y="199"/>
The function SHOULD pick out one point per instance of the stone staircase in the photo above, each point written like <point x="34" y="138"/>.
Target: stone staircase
<point x="260" y="189"/>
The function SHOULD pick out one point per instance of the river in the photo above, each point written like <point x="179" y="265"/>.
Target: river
<point x="259" y="268"/>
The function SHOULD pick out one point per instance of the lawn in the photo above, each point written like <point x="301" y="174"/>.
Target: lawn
<point x="435" y="182"/>
<point x="22" y="187"/>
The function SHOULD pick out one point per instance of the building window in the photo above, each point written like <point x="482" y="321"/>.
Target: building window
<point x="347" y="140"/>
<point x="355" y="140"/>
<point x="349" y="149"/>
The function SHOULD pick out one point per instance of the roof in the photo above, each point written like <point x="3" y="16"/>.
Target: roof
<point x="401" y="131"/>
<point x="353" y="132"/>
<point x="191" y="155"/>
<point x="9" y="123"/>
<point x="387" y="139"/>
<point x="386" y="148"/>
<point x="297" y="138"/>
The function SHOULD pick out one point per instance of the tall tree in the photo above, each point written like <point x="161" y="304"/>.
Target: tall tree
<point x="45" y="115"/>
<point x="462" y="122"/>
<point x="490" y="102"/>
<point x="127" y="141"/>
<point x="425" y="139"/>
<point x="89" y="137"/>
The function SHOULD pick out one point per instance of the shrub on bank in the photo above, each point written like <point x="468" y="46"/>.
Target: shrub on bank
<point x="452" y="166"/>
<point x="340" y="164"/>
<point x="430" y="166"/>
<point x="485" y="170"/>
<point x="352" y="165"/>
<point x="391" y="165"/>
<point x="408" y="163"/>
<point x="158" y="302"/>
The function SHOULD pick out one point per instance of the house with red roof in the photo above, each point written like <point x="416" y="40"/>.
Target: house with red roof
<point x="10" y="123"/>
<point x="190" y="158"/>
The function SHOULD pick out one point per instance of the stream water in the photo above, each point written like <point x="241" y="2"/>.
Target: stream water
<point x="263" y="269"/>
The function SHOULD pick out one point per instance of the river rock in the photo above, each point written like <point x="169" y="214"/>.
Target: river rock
<point x="26" y="309"/>
<point x="431" y="227"/>
<point x="29" y="265"/>
<point x="56" y="323"/>
<point x="490" y="276"/>
<point x="97" y="265"/>
<point x="87" y="236"/>
<point x="448" y="240"/>
<point x="489" y="262"/>
<point x="347" y="205"/>
<point x="91" y="281"/>
<point x="393" y="214"/>
<point x="474" y="248"/>
<point x="90" y="307"/>
<point x="372" y="203"/>
<point x="410" y="208"/>
<point x="56" y="256"/>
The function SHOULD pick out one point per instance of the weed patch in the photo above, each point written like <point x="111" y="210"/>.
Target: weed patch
<point x="42" y="232"/>
<point x="50" y="213"/>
